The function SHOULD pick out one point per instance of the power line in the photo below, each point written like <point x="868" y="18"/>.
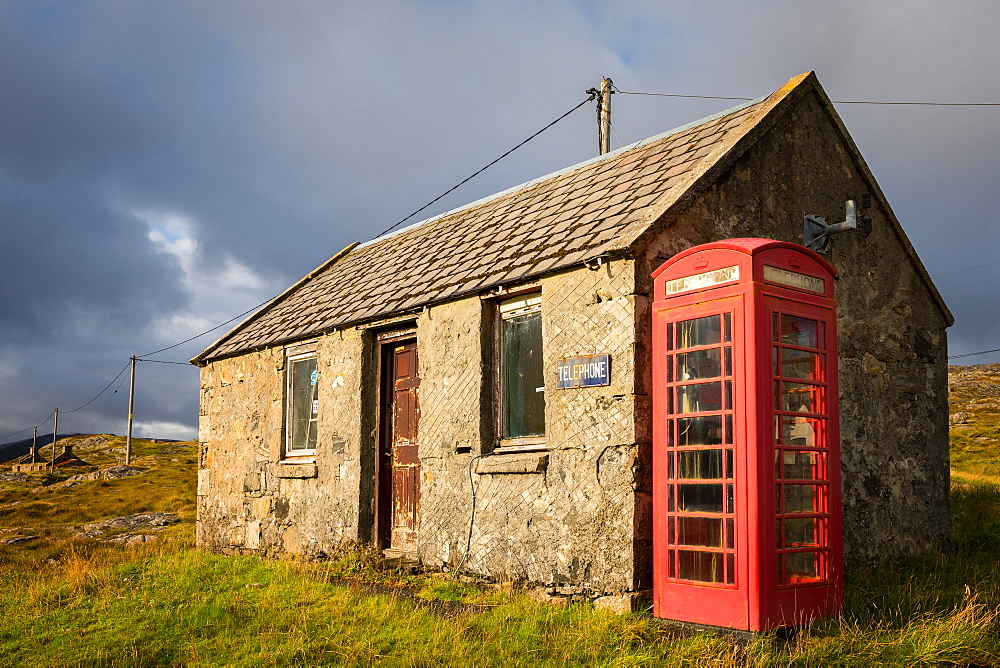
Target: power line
<point x="981" y="352"/>
<point x="99" y="393"/>
<point x="918" y="104"/>
<point x="106" y="404"/>
<point x="139" y="359"/>
<point x="196" y="336"/>
<point x="978" y="266"/>
<point x="480" y="171"/>
<point x="969" y="285"/>
<point x="15" y="433"/>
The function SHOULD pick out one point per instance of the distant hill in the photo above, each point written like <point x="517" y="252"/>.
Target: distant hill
<point x="9" y="451"/>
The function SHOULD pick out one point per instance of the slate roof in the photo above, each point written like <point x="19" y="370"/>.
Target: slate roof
<point x="551" y="223"/>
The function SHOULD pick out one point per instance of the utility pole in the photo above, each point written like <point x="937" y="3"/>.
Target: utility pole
<point x="34" y="443"/>
<point x="604" y="116"/>
<point x="131" y="403"/>
<point x="55" y="431"/>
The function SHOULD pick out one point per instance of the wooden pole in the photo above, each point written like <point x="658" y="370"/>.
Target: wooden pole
<point x="55" y="431"/>
<point x="604" y="116"/>
<point x="131" y="404"/>
<point x="34" y="444"/>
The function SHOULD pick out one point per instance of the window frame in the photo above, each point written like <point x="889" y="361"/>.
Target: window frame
<point x="294" y="355"/>
<point x="531" y="299"/>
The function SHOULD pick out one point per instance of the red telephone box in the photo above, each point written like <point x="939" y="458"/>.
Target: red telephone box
<point x="746" y="444"/>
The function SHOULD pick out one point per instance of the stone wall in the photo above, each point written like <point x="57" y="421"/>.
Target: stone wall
<point x="247" y="500"/>
<point x="893" y="346"/>
<point x="566" y="516"/>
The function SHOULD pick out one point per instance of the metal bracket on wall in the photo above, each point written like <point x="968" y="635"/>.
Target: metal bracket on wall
<point x="817" y="232"/>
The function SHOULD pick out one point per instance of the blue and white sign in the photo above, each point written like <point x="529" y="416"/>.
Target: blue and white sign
<point x="584" y="371"/>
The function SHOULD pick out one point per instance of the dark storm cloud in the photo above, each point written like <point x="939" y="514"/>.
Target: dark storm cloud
<point x="166" y="165"/>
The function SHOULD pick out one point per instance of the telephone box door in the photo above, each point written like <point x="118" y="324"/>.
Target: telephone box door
<point x="699" y="466"/>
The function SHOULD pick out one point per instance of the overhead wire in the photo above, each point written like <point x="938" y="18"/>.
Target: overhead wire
<point x="981" y="352"/>
<point x="106" y="404"/>
<point x="42" y="423"/>
<point x="746" y="99"/>
<point x="124" y="368"/>
<point x="978" y="266"/>
<point x="483" y="169"/>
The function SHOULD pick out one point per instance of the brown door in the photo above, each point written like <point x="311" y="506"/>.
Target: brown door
<point x="400" y="463"/>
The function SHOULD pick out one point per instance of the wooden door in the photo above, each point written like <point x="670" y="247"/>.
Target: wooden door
<point x="402" y="460"/>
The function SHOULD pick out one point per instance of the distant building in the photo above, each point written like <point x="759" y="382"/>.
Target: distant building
<point x="357" y="406"/>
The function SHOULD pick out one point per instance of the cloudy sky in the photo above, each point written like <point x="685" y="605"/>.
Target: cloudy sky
<point x="167" y="165"/>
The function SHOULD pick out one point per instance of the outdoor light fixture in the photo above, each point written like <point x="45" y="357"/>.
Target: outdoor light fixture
<point x="817" y="232"/>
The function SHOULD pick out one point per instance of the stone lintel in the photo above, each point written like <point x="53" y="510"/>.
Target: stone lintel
<point x="528" y="462"/>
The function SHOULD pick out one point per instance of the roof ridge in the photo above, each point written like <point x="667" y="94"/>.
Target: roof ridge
<point x="566" y="170"/>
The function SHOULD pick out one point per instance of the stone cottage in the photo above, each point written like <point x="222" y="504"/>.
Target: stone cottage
<point x="475" y="389"/>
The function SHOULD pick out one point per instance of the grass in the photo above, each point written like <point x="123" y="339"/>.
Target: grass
<point x="71" y="601"/>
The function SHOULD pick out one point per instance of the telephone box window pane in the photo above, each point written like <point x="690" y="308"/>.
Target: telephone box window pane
<point x="521" y="370"/>
<point x="698" y="364"/>
<point x="670" y="368"/>
<point x="729" y="429"/>
<point x="700" y="464"/>
<point x="699" y="531"/>
<point x="704" y="430"/>
<point x="730" y="533"/>
<point x="730" y="569"/>
<point x="670" y="531"/>
<point x="800" y="398"/>
<point x="699" y="498"/>
<point x="670" y="336"/>
<point x="801" y="567"/>
<point x="801" y="532"/>
<point x="699" y="398"/>
<point x="800" y="364"/>
<point x="727" y="319"/>
<point x="801" y="499"/>
<point x="729" y="361"/>
<point x="304" y="405"/>
<point x="729" y="499"/>
<point x="700" y="566"/>
<point x="699" y="332"/>
<point x="796" y="465"/>
<point x="670" y="498"/>
<point x="800" y="431"/>
<point x="796" y="331"/>
<point x="670" y="466"/>
<point x="729" y="464"/>
<point x="729" y="395"/>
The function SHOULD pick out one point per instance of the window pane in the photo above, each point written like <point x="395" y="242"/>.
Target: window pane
<point x="699" y="398"/>
<point x="797" y="331"/>
<point x="801" y="566"/>
<point x="802" y="499"/>
<point x="699" y="332"/>
<point x="800" y="364"/>
<point x="522" y="382"/>
<point x="700" y="566"/>
<point x="801" y="532"/>
<point x="700" y="464"/>
<point x="800" y="398"/>
<point x="703" y="531"/>
<point x="698" y="364"/>
<point x="304" y="404"/>
<point x="794" y="465"/>
<point x="704" y="430"/>
<point x="795" y="430"/>
<point x="699" y="498"/>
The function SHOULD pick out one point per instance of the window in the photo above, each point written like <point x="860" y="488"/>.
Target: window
<point x="521" y="383"/>
<point x="303" y="406"/>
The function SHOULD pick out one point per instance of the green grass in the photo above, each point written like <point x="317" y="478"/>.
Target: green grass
<point x="69" y="601"/>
